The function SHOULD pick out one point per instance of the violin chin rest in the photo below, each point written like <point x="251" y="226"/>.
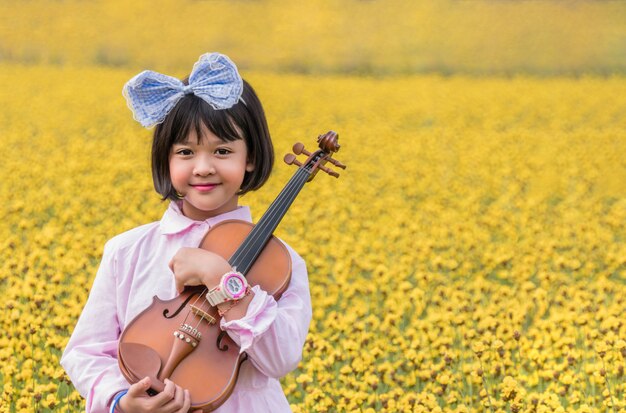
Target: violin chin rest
<point x="142" y="361"/>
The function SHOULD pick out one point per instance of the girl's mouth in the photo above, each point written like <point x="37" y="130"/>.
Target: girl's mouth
<point x="205" y="187"/>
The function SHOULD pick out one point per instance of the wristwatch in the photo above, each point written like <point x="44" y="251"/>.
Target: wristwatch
<point x="232" y="286"/>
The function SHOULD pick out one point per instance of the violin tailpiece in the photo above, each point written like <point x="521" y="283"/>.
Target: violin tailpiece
<point x="184" y="343"/>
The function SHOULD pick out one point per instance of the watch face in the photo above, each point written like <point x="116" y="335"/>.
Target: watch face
<point x="234" y="286"/>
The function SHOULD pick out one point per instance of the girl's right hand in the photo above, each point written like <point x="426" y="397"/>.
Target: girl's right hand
<point x="173" y="399"/>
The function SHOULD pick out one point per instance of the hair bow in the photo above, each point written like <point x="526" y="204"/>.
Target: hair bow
<point x="214" y="79"/>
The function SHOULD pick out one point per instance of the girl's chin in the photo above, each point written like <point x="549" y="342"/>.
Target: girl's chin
<point x="201" y="211"/>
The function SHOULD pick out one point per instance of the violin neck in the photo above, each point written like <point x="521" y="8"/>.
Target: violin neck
<point x="254" y="243"/>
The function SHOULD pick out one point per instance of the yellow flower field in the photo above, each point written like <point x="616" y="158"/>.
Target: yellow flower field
<point x="472" y="258"/>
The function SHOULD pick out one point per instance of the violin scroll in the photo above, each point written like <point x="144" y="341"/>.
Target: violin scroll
<point x="328" y="144"/>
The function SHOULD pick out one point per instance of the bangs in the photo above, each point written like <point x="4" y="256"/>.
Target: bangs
<point x="191" y="113"/>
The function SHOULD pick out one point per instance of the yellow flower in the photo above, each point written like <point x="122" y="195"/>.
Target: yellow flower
<point x="50" y="401"/>
<point x="479" y="348"/>
<point x="601" y="348"/>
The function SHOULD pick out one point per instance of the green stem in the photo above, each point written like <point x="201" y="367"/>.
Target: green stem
<point x="608" y="385"/>
<point x="485" y="384"/>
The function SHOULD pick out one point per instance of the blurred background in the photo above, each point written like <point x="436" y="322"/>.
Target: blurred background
<point x="483" y="37"/>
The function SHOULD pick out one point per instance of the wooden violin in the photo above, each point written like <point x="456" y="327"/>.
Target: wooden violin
<point x="180" y="339"/>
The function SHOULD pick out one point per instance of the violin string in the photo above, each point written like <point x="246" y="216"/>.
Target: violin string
<point x="243" y="249"/>
<point x="202" y="316"/>
<point x="286" y="198"/>
<point x="189" y="309"/>
<point x="189" y="306"/>
<point x="277" y="208"/>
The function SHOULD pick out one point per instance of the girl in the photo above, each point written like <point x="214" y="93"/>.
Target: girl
<point x="211" y="144"/>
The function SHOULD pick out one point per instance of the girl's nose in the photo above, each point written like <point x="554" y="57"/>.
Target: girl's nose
<point x="204" y="166"/>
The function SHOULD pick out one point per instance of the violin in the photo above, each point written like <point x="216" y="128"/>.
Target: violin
<point x="180" y="339"/>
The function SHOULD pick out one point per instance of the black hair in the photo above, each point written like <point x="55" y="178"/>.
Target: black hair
<point x="245" y="120"/>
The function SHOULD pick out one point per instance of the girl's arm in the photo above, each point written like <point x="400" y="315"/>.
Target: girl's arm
<point x="273" y="333"/>
<point x="90" y="358"/>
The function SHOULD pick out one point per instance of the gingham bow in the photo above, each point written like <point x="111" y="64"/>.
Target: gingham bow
<point x="214" y="79"/>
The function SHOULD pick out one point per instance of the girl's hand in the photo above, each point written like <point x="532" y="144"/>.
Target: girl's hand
<point x="173" y="399"/>
<point x="195" y="266"/>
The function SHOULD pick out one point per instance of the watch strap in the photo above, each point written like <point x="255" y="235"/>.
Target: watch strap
<point x="217" y="295"/>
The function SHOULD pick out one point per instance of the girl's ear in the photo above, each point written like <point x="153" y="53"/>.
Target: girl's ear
<point x="249" y="167"/>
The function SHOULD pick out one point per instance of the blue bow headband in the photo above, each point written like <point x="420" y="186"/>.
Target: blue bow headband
<point x="214" y="79"/>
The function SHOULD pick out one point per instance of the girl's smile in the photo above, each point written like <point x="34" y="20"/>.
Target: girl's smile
<point x="204" y="187"/>
<point x="208" y="173"/>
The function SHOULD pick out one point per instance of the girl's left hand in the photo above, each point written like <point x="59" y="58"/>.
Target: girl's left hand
<point x="195" y="266"/>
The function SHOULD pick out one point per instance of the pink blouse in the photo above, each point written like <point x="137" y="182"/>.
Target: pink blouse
<point x="135" y="264"/>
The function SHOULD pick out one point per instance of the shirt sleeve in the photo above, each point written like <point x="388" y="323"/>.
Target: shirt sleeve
<point x="90" y="358"/>
<point x="273" y="333"/>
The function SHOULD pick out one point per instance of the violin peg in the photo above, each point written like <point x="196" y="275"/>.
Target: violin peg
<point x="329" y="171"/>
<point x="290" y="159"/>
<point x="298" y="149"/>
<point x="337" y="163"/>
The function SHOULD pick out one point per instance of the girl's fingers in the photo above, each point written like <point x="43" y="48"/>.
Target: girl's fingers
<point x="166" y="395"/>
<point x="173" y="260"/>
<point x="135" y="393"/>
<point x="186" y="403"/>
<point x="139" y="389"/>
<point x="180" y="286"/>
<point x="177" y="402"/>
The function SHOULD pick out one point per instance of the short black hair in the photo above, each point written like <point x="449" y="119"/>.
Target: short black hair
<point x="244" y="120"/>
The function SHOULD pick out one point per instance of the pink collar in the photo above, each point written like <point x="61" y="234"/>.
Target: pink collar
<point x="174" y="221"/>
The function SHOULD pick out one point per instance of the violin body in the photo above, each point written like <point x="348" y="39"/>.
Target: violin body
<point x="149" y="347"/>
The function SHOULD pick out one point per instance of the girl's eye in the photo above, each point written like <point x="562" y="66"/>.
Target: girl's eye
<point x="184" y="152"/>
<point x="222" y="151"/>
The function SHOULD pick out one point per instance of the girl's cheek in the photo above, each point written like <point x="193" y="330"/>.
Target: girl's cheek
<point x="177" y="173"/>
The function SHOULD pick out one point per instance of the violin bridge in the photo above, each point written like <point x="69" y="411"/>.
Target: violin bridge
<point x="203" y="314"/>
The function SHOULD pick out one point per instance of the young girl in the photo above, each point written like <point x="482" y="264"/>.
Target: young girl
<point x="211" y="144"/>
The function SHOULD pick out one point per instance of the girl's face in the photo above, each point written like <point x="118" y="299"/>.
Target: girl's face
<point x="208" y="174"/>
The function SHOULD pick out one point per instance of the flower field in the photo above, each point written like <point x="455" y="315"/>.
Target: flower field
<point x="472" y="258"/>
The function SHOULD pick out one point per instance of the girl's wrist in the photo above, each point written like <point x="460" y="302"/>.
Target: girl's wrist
<point x="235" y="309"/>
<point x="213" y="277"/>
